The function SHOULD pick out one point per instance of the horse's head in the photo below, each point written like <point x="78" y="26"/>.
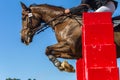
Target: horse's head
<point x="30" y="24"/>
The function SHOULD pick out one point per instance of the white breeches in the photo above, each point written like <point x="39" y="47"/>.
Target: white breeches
<point x="109" y="7"/>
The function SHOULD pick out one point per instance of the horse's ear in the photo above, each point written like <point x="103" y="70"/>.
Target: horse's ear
<point x="24" y="7"/>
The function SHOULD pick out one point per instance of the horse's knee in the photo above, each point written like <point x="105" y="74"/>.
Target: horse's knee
<point x="48" y="50"/>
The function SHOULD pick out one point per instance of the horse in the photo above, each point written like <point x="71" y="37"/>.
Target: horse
<point x="67" y="28"/>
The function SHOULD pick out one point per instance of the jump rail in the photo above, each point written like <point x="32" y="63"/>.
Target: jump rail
<point x="98" y="60"/>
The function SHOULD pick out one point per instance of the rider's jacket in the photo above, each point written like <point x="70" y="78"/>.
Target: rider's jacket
<point x="90" y="4"/>
<point x="95" y="4"/>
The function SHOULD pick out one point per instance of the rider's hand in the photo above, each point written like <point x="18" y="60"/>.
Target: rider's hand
<point x="67" y="11"/>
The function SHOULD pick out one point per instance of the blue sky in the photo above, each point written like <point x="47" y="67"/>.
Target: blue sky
<point x="20" y="61"/>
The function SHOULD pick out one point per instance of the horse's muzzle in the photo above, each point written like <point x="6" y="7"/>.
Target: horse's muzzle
<point x="26" y="41"/>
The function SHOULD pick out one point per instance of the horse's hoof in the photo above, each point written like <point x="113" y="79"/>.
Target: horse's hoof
<point x="67" y="67"/>
<point x="61" y="68"/>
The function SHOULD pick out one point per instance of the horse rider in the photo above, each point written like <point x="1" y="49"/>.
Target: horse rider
<point x="95" y="5"/>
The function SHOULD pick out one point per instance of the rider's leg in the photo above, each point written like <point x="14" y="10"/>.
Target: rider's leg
<point x="109" y="7"/>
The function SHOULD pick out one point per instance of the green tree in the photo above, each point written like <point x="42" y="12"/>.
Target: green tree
<point x="29" y="79"/>
<point x="8" y="79"/>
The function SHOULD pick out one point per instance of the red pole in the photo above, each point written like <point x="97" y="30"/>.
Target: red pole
<point x="98" y="60"/>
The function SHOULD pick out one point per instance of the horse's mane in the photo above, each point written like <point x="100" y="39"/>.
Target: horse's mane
<point x="47" y="5"/>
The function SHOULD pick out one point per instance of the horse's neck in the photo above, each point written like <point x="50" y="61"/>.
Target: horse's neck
<point x="49" y="13"/>
<point x="47" y="16"/>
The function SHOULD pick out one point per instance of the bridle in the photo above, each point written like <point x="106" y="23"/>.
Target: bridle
<point x="29" y="24"/>
<point x="44" y="26"/>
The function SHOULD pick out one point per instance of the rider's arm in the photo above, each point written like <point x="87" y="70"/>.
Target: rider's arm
<point x="83" y="7"/>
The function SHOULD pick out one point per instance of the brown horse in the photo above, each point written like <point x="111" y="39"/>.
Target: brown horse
<point x="67" y="29"/>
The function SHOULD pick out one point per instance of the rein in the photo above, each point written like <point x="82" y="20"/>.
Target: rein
<point x="45" y="25"/>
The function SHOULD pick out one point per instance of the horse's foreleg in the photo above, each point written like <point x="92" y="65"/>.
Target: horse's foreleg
<point x="60" y="50"/>
<point x="65" y="52"/>
<point x="62" y="66"/>
<point x="55" y="61"/>
<point x="52" y="48"/>
<point x="58" y="45"/>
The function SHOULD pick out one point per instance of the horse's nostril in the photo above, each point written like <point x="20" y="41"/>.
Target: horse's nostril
<point x="22" y="40"/>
